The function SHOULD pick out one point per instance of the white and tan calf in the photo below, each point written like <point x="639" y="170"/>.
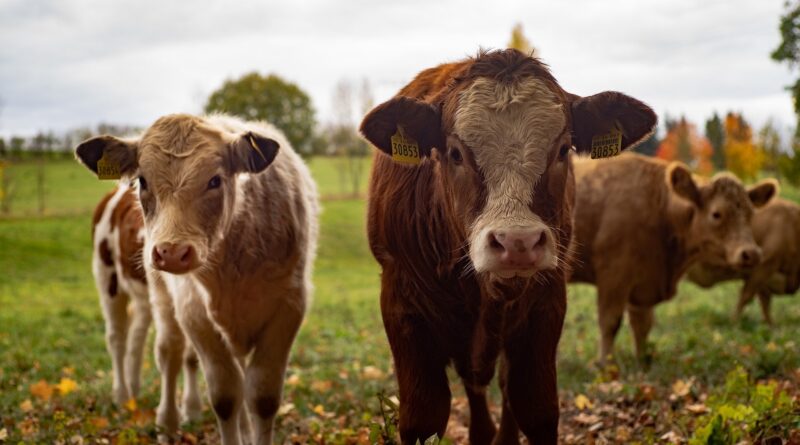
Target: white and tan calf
<point x="117" y="241"/>
<point x="230" y="217"/>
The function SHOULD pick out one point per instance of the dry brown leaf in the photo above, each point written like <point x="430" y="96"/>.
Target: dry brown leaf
<point x="42" y="390"/>
<point x="586" y="419"/>
<point x="322" y="385"/>
<point x="26" y="406"/>
<point x="582" y="402"/>
<point x="371" y="373"/>
<point x="697" y="408"/>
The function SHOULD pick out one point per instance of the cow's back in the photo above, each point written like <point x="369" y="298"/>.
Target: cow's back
<point x="776" y="228"/>
<point x="620" y="219"/>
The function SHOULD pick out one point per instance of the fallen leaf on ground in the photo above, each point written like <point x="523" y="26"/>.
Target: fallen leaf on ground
<point x="3" y="434"/>
<point x="293" y="380"/>
<point x="322" y="385"/>
<point x="42" y="390"/>
<point x="130" y="405"/>
<point x="66" y="386"/>
<point x="681" y="388"/>
<point x="285" y="409"/>
<point x="583" y="402"/>
<point x="371" y="373"/>
<point x="100" y="423"/>
<point x="26" y="405"/>
<point x="586" y="419"/>
<point x="697" y="408"/>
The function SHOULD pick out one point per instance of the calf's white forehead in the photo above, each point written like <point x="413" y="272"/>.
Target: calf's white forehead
<point x="510" y="128"/>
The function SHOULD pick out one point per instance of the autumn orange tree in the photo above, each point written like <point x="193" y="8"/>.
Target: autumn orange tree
<point x="683" y="143"/>
<point x="742" y="156"/>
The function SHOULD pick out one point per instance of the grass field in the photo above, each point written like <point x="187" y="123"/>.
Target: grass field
<point x="54" y="382"/>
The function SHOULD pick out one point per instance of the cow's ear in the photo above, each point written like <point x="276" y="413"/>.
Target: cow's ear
<point x="118" y="155"/>
<point x="681" y="181"/>
<point x="603" y="113"/>
<point x="761" y="193"/>
<point x="413" y="120"/>
<point x="251" y="153"/>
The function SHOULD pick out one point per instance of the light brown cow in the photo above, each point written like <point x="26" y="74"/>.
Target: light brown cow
<point x="641" y="222"/>
<point x="118" y="240"/>
<point x="230" y="217"/>
<point x="473" y="236"/>
<point x="776" y="228"/>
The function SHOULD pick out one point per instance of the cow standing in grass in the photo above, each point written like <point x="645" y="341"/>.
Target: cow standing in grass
<point x="776" y="228"/>
<point x="473" y="236"/>
<point x="641" y="222"/>
<point x="119" y="273"/>
<point x="230" y="218"/>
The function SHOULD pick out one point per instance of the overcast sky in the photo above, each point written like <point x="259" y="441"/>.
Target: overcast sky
<point x="69" y="63"/>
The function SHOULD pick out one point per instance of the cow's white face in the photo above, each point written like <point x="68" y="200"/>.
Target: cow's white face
<point x="189" y="174"/>
<point x="510" y="131"/>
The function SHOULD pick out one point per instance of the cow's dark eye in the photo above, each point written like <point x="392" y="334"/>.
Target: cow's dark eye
<point x="142" y="183"/>
<point x="563" y="152"/>
<point x="716" y="216"/>
<point x="455" y="155"/>
<point x="214" y="182"/>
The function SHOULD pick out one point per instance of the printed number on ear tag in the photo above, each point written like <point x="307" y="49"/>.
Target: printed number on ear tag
<point x="107" y="169"/>
<point x="607" y="145"/>
<point x="404" y="149"/>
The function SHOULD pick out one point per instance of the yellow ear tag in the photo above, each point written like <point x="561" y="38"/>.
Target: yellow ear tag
<point x="404" y="149"/>
<point x="607" y="145"/>
<point x="107" y="169"/>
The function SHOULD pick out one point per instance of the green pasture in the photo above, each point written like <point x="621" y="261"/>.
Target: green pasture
<point x="51" y="330"/>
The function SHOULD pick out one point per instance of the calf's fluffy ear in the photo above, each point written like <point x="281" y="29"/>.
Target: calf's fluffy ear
<point x="121" y="152"/>
<point x="599" y="114"/>
<point x="251" y="153"/>
<point x="761" y="193"/>
<point x="681" y="181"/>
<point x="419" y="120"/>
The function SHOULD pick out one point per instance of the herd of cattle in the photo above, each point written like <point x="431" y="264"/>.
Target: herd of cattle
<point x="479" y="213"/>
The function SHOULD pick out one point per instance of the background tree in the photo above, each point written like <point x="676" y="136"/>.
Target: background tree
<point x="789" y="165"/>
<point x="743" y="158"/>
<point x="520" y="42"/>
<point x="343" y="137"/>
<point x="715" y="133"/>
<point x="270" y="98"/>
<point x="683" y="143"/>
<point x="769" y="143"/>
<point x="649" y="146"/>
<point x="788" y="51"/>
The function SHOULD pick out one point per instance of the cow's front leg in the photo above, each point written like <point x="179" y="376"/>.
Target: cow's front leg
<point x="746" y="296"/>
<point x="765" y="299"/>
<point x="169" y="346"/>
<point x="223" y="373"/>
<point x="530" y="351"/>
<point x="641" y="319"/>
<point x="611" y="302"/>
<point x="421" y="379"/>
<point x="141" y="317"/>
<point x="266" y="370"/>
<point x="115" y="312"/>
<point x="191" y="407"/>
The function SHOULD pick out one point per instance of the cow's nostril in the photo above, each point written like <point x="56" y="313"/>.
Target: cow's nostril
<point x="494" y="243"/>
<point x="745" y="257"/>
<point x="542" y="240"/>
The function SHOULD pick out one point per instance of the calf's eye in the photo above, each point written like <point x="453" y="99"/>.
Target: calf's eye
<point x="214" y="182"/>
<point x="142" y="183"/>
<point x="455" y="155"/>
<point x="716" y="216"/>
<point x="563" y="152"/>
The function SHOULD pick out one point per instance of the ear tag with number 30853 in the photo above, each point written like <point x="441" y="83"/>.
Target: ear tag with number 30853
<point x="404" y="149"/>
<point x="107" y="169"/>
<point x="607" y="145"/>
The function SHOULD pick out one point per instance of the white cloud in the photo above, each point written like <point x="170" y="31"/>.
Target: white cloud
<point x="80" y="62"/>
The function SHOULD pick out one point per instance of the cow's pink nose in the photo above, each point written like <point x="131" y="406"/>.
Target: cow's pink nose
<point x="174" y="258"/>
<point x="520" y="248"/>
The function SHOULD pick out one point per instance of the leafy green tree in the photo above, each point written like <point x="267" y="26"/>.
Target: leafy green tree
<point x="788" y="51"/>
<point x="270" y="98"/>
<point x="715" y="133"/>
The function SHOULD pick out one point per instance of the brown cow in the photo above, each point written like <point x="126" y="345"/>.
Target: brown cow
<point x="776" y="228"/>
<point x="473" y="241"/>
<point x="118" y="239"/>
<point x="641" y="222"/>
<point x="230" y="218"/>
